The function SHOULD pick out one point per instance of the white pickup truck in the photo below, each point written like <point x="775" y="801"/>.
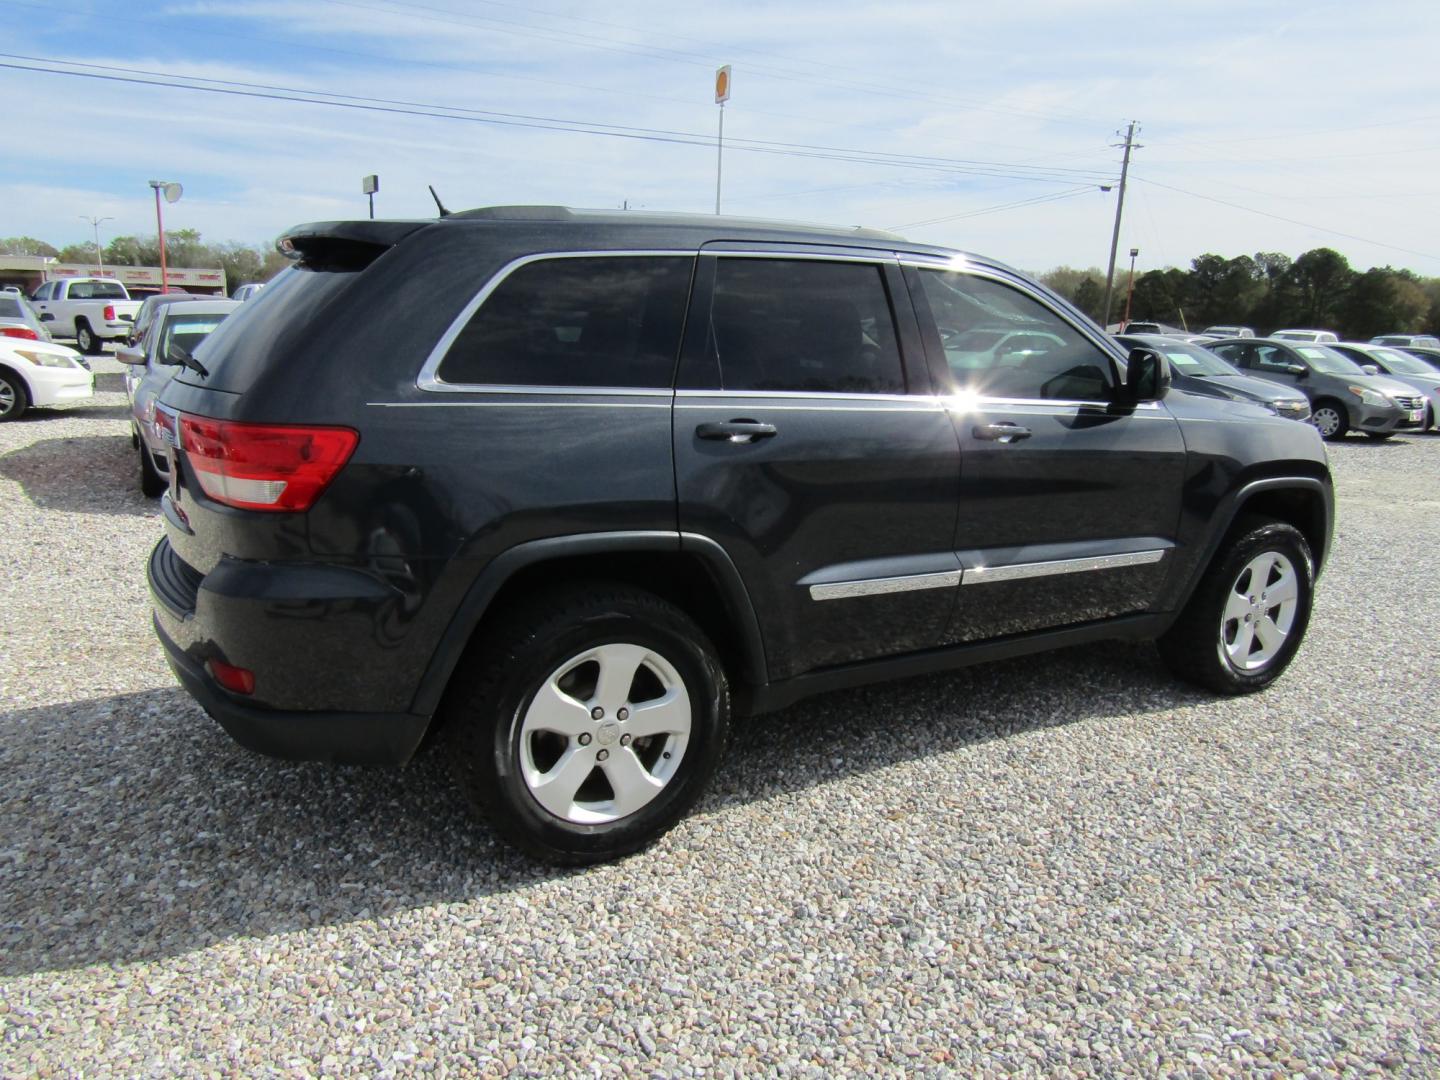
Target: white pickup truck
<point x="90" y="310"/>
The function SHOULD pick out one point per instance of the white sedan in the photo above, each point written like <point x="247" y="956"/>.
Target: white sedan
<point x="39" y="373"/>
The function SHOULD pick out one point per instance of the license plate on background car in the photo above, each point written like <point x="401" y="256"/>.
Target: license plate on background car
<point x="1415" y="416"/>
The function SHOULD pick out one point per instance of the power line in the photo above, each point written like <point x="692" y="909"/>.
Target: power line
<point x="1052" y="197"/>
<point x="273" y="92"/>
<point x="1288" y="220"/>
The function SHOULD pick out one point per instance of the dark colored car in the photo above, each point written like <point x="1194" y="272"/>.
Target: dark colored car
<point x="1342" y="395"/>
<point x="1197" y="370"/>
<point x="563" y="489"/>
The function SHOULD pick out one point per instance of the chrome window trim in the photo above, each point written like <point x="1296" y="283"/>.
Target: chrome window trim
<point x="518" y="404"/>
<point x="980" y="575"/>
<point x="874" y="258"/>
<point x="1064" y="403"/>
<point x="429" y="379"/>
<point x="845" y="590"/>
<point x="831" y="408"/>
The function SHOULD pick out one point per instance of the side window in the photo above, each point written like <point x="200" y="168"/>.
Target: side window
<point x="1002" y="343"/>
<point x="806" y="325"/>
<point x="1269" y="358"/>
<point x="588" y="321"/>
<point x="1238" y="355"/>
<point x="43" y="293"/>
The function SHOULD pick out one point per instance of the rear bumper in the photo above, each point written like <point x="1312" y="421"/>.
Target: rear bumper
<point x="290" y="658"/>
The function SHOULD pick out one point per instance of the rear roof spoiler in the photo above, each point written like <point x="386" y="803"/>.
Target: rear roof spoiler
<point x="343" y="245"/>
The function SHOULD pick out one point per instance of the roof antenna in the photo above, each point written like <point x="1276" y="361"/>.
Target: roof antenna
<point x="438" y="204"/>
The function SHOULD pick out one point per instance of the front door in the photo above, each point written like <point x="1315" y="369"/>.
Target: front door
<point x="1069" y="504"/>
<point x="808" y="443"/>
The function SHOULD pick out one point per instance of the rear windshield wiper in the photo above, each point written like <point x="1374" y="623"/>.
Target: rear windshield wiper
<point x="179" y="355"/>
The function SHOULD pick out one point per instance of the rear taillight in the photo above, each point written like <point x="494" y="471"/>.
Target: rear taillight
<point x="109" y="312"/>
<point x="20" y="332"/>
<point x="279" y="467"/>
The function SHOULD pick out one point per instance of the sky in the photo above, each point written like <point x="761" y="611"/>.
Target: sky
<point x="987" y="127"/>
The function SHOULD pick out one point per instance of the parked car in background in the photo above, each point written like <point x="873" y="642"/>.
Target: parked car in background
<point x="1321" y="336"/>
<point x="149" y="306"/>
<point x="1342" y="396"/>
<point x="90" y="310"/>
<point x="1228" y="331"/>
<point x="1420" y="352"/>
<point x="1197" y="370"/>
<point x="1427" y="341"/>
<point x="609" y="478"/>
<point x="18" y="319"/>
<point x="247" y="291"/>
<point x="1402" y="367"/>
<point x="151" y="363"/>
<point x="39" y="373"/>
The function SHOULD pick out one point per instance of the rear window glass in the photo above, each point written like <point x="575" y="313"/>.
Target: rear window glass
<point x="10" y="309"/>
<point x="797" y="325"/>
<point x="96" y="290"/>
<point x="188" y="331"/>
<point x="587" y="321"/>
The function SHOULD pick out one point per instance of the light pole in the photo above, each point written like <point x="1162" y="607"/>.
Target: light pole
<point x="1130" y="289"/>
<point x="172" y="192"/>
<point x="95" y="222"/>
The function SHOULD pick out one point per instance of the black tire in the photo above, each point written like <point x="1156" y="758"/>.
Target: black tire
<point x="506" y="669"/>
<point x="1323" y="423"/>
<point x="1199" y="647"/>
<point x="152" y="481"/>
<point x="85" y="339"/>
<point x="14" y="396"/>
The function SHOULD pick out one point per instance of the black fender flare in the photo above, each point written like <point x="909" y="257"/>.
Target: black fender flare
<point x="1230" y="508"/>
<point x="500" y="569"/>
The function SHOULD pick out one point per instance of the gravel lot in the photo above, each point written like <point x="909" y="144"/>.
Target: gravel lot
<point x="1062" y="866"/>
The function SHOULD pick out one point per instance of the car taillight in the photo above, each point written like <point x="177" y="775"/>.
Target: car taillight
<point x="109" y="312"/>
<point x="20" y="332"/>
<point x="281" y="467"/>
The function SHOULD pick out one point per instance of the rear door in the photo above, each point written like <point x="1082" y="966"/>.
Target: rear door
<point x="1069" y="504"/>
<point x="810" y="446"/>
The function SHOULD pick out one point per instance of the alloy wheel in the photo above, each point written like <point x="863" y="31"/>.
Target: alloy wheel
<point x="605" y="733"/>
<point x="1260" y="611"/>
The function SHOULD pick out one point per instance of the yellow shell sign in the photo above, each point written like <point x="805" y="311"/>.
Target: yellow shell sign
<point x="722" y="85"/>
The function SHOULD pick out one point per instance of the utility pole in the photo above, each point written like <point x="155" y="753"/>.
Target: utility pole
<point x="1129" y="145"/>
<point x="95" y="223"/>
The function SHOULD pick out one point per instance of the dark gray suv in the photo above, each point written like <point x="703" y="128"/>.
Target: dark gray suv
<point x="565" y="489"/>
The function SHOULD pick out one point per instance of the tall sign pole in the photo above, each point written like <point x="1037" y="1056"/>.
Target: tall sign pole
<point x="172" y="192"/>
<point x="369" y="185"/>
<point x="1119" y="209"/>
<point x="722" y="95"/>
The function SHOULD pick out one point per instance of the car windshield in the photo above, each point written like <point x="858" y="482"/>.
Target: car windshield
<point x="1328" y="361"/>
<point x="188" y="330"/>
<point x="1192" y="359"/>
<point x="1397" y="363"/>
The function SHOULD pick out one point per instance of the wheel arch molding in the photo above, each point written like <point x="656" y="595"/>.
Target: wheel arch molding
<point x="691" y="571"/>
<point x="1306" y="502"/>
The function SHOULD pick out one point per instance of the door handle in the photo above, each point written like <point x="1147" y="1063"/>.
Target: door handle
<point x="1004" y="432"/>
<point x="736" y="431"/>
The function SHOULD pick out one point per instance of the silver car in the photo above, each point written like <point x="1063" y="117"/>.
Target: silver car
<point x="18" y="319"/>
<point x="150" y="364"/>
<point x="1402" y="367"/>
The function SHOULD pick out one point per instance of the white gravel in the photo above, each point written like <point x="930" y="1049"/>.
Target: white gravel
<point x="1058" y="867"/>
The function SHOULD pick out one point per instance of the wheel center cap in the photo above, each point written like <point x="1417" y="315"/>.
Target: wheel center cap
<point x="608" y="733"/>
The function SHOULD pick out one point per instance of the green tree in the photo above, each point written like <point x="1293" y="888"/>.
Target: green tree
<point x="1088" y="297"/>
<point x="26" y="245"/>
<point x="1381" y="300"/>
<point x="1321" y="278"/>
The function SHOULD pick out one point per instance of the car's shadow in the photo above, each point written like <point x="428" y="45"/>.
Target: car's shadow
<point x="82" y="474"/>
<point x="131" y="827"/>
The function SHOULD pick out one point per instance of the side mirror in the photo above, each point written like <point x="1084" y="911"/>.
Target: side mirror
<point x="1147" y="376"/>
<point x="129" y="355"/>
<point x="1370" y="369"/>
